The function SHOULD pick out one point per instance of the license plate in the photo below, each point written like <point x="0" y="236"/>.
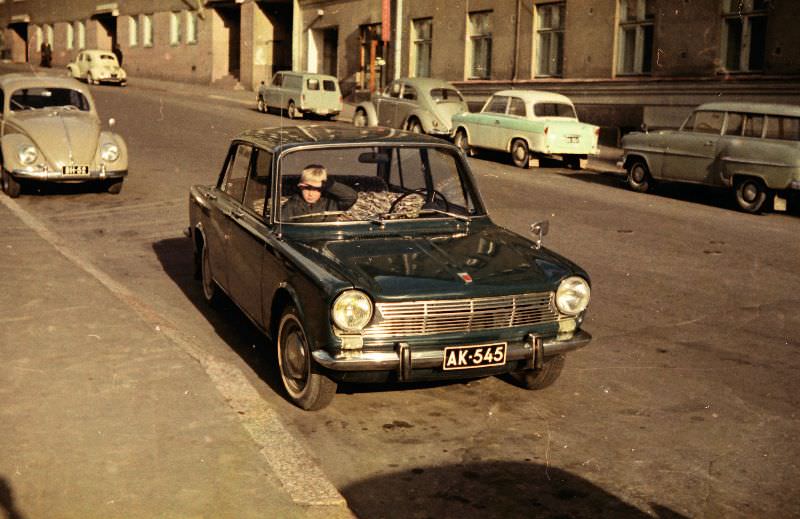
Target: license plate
<point x="477" y="356"/>
<point x="573" y="139"/>
<point x="75" y="170"/>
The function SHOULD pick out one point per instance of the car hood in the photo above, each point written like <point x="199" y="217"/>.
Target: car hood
<point x="488" y="262"/>
<point x="61" y="135"/>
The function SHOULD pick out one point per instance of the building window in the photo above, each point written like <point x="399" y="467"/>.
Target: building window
<point x="48" y="34"/>
<point x="80" y="34"/>
<point x="635" y="36"/>
<point x="174" y="28"/>
<point x="744" y="34"/>
<point x="550" y="39"/>
<point x="133" y="31"/>
<point x="147" y="30"/>
<point x="38" y="38"/>
<point x="70" y="36"/>
<point x="480" y="42"/>
<point x="422" y="31"/>
<point x="191" y="26"/>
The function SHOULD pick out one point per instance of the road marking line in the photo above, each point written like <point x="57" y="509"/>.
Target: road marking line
<point x="300" y="476"/>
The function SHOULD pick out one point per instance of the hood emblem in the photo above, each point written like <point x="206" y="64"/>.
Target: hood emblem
<point x="466" y="278"/>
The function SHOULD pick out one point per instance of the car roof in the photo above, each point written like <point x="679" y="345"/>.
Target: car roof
<point x="280" y="138"/>
<point x="310" y="74"/>
<point x="758" y="108"/>
<point x="424" y="83"/>
<point x="530" y="96"/>
<point x="15" y="81"/>
<point x="97" y="51"/>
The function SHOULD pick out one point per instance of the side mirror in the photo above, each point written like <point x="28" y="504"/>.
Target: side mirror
<point x="539" y="229"/>
<point x="111" y="123"/>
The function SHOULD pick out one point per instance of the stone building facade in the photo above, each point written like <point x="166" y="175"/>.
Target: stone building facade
<point x="623" y="62"/>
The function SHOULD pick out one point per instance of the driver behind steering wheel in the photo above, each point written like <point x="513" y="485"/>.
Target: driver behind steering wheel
<point x="317" y="194"/>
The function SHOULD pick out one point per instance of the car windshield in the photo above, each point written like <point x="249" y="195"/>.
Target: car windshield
<point x="554" y="110"/>
<point x="446" y="95"/>
<point x="40" y="97"/>
<point x="376" y="184"/>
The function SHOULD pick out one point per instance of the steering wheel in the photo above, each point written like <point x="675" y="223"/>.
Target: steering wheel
<point x="421" y="191"/>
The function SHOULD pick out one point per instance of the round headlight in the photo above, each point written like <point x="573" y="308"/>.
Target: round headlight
<point x="572" y="295"/>
<point x="109" y="152"/>
<point x="27" y="154"/>
<point x="352" y="310"/>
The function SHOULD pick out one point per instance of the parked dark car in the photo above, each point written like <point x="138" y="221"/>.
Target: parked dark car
<point x="402" y="277"/>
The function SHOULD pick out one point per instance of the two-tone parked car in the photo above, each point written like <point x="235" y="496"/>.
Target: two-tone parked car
<point x="51" y="133"/>
<point x="420" y="105"/>
<point x="751" y="148"/>
<point x="398" y="275"/>
<point x="530" y="125"/>
<point x="301" y="93"/>
<point x="97" y="66"/>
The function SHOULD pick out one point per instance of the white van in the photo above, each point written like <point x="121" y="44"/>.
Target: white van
<point x="300" y="93"/>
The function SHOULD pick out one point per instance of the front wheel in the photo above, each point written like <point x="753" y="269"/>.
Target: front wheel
<point x="308" y="390"/>
<point x="210" y="289"/>
<point x="639" y="177"/>
<point x="414" y="126"/>
<point x="520" y="153"/>
<point x="540" y="378"/>
<point x="462" y="142"/>
<point x="751" y="195"/>
<point x="114" y="187"/>
<point x="11" y="186"/>
<point x="360" y="118"/>
<point x="260" y="106"/>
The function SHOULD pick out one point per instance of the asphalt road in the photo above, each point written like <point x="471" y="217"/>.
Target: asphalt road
<point x="685" y="403"/>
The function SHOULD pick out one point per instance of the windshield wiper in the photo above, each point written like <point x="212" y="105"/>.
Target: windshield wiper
<point x="321" y="213"/>
<point x="446" y="213"/>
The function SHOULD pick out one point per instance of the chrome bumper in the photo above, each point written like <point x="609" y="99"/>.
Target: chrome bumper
<point x="403" y="360"/>
<point x="58" y="176"/>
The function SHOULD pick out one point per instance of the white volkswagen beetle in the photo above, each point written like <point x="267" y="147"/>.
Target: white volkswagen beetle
<point x="97" y="66"/>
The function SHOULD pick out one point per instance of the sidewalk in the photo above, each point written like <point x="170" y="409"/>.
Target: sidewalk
<point x="102" y="415"/>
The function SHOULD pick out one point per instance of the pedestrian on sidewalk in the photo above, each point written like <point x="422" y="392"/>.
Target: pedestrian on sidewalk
<point x="47" y="54"/>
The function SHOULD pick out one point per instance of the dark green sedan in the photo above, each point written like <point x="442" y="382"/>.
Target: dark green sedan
<point x="367" y="255"/>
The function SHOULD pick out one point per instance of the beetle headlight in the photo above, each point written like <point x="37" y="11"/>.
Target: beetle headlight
<point x="572" y="295"/>
<point x="352" y="310"/>
<point x="109" y="152"/>
<point x="27" y="154"/>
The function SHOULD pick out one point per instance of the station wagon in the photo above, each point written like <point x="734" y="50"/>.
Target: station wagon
<point x="751" y="148"/>
<point x="409" y="279"/>
<point x="301" y="93"/>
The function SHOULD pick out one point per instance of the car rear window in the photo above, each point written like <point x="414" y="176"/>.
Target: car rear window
<point x="554" y="110"/>
<point x="328" y="85"/>
<point x="313" y="84"/>
<point x="108" y="57"/>
<point x="35" y="98"/>
<point x="446" y="95"/>
<point x="783" y="128"/>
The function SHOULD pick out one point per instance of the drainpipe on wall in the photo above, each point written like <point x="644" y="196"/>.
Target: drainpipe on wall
<point x="516" y="44"/>
<point x="297" y="35"/>
<point x="398" y="34"/>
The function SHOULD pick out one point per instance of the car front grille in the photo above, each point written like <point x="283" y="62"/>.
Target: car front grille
<point x="462" y="315"/>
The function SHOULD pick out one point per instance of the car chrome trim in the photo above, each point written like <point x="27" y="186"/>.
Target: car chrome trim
<point x="391" y="360"/>
<point x="56" y="176"/>
<point x="416" y="318"/>
<point x="755" y="162"/>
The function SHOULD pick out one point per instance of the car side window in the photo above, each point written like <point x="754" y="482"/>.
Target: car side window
<point x="277" y="80"/>
<point x="258" y="182"/>
<point x="497" y="105"/>
<point x="236" y="173"/>
<point x="409" y="92"/>
<point x="783" y="128"/>
<point x="733" y="126"/>
<point x="707" y="122"/>
<point x="394" y="89"/>
<point x="517" y="107"/>
<point x="753" y="125"/>
<point x="312" y="84"/>
<point x="328" y="85"/>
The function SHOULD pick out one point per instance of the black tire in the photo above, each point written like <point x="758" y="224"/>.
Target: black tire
<point x="211" y="292"/>
<point x="261" y="106"/>
<point x="291" y="111"/>
<point x="576" y="162"/>
<point x="414" y="126"/>
<point x="306" y="389"/>
<point x="751" y="193"/>
<point x="461" y="141"/>
<point x="11" y="186"/>
<point x="540" y="378"/>
<point x="520" y="154"/>
<point x="360" y="118"/>
<point x="114" y="187"/>
<point x="639" y="178"/>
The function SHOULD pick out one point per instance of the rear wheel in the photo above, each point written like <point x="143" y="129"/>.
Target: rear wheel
<point x="360" y="118"/>
<point x="292" y="112"/>
<point x="520" y="153"/>
<point x="540" y="378"/>
<point x="639" y="176"/>
<point x="308" y="390"/>
<point x="751" y="195"/>
<point x="260" y="106"/>
<point x="11" y="186"/>
<point x="576" y="162"/>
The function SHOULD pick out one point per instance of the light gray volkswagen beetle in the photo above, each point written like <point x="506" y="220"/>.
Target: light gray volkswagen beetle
<point x="51" y="133"/>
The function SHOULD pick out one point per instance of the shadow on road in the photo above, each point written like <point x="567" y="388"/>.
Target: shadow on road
<point x="7" y="501"/>
<point x="490" y="489"/>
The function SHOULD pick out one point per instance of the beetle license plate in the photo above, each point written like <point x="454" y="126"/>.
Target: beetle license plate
<point x="73" y="169"/>
<point x="477" y="356"/>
